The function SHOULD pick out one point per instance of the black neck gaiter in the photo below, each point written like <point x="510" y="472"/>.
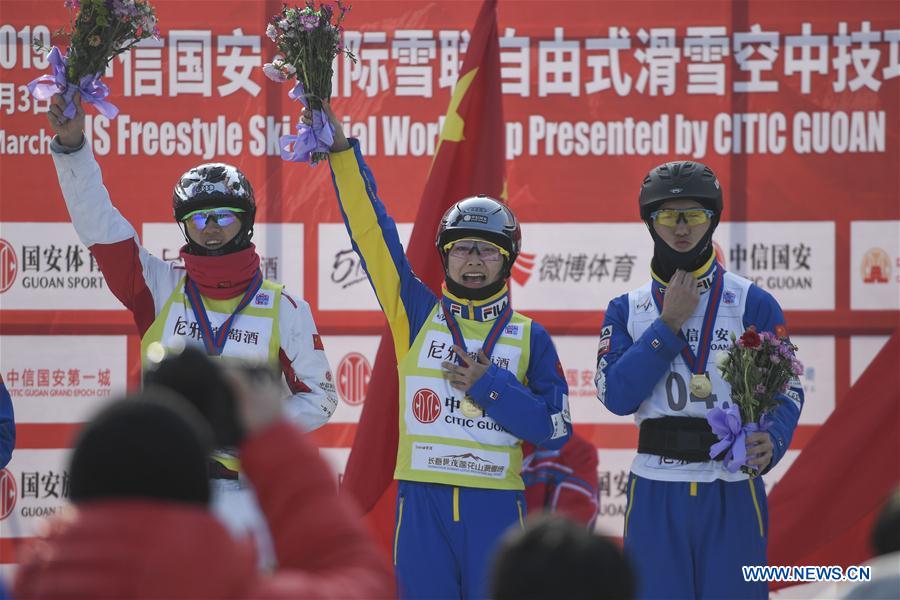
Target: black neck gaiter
<point x="666" y="260"/>
<point x="482" y="293"/>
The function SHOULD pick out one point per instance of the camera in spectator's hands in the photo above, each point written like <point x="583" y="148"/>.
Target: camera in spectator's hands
<point x="203" y="382"/>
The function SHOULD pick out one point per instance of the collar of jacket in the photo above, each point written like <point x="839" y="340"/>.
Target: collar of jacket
<point x="705" y="276"/>
<point x="476" y="310"/>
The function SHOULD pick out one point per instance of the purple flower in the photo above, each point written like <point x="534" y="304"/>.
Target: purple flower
<point x="760" y="388"/>
<point x="271" y="32"/>
<point x="775" y="359"/>
<point x="72" y="4"/>
<point x="796" y="367"/>
<point x="309" y="21"/>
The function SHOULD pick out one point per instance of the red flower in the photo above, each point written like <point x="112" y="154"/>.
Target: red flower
<point x="750" y="339"/>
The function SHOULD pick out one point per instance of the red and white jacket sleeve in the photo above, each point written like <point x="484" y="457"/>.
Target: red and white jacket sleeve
<point x="141" y="281"/>
<point x="306" y="371"/>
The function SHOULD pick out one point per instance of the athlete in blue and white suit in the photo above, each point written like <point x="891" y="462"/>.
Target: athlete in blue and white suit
<point x="690" y="524"/>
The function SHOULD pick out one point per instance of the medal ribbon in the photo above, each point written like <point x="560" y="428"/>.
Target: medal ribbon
<point x="216" y="343"/>
<point x="697" y="364"/>
<point x="492" y="337"/>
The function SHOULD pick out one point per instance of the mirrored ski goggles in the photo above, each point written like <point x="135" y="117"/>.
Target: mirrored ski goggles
<point x="486" y="250"/>
<point x="223" y="217"/>
<point x="669" y="217"/>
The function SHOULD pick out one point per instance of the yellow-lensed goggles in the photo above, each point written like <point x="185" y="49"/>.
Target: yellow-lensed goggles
<point x="669" y="217"/>
<point x="488" y="251"/>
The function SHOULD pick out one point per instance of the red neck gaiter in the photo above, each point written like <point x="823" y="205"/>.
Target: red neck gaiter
<point x="222" y="277"/>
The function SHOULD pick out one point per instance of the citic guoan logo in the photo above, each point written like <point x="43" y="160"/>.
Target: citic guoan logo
<point x="876" y="266"/>
<point x="426" y="406"/>
<point x="7" y="493"/>
<point x="9" y="265"/>
<point x="524" y="265"/>
<point x="353" y="375"/>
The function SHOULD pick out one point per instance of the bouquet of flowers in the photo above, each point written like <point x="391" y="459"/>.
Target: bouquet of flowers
<point x="758" y="366"/>
<point x="308" y="40"/>
<point x="98" y="31"/>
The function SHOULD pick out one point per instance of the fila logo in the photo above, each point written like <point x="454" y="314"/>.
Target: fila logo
<point x="645" y="305"/>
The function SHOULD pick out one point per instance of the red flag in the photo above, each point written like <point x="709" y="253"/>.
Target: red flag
<point x="469" y="160"/>
<point x="822" y="510"/>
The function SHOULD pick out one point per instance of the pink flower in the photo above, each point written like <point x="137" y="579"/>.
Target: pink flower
<point x="274" y="73"/>
<point x="796" y="367"/>
<point x="760" y="388"/>
<point x="72" y="4"/>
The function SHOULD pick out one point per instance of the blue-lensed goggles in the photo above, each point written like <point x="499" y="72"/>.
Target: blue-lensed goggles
<point x="223" y="217"/>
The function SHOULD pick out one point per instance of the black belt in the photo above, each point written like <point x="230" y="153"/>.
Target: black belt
<point x="679" y="438"/>
<point x="219" y="471"/>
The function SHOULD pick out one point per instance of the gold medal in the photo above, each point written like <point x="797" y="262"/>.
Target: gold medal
<point x="469" y="408"/>
<point x="701" y="386"/>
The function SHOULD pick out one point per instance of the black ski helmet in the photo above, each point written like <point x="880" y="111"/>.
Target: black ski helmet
<point x="481" y="217"/>
<point x="680" y="179"/>
<point x="215" y="185"/>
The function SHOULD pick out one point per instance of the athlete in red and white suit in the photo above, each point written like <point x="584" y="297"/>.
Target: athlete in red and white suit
<point x="145" y="283"/>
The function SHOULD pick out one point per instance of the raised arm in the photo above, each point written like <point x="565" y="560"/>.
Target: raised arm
<point x="132" y="274"/>
<point x="405" y="300"/>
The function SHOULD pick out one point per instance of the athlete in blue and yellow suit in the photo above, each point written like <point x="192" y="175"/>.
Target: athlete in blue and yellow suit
<point x="476" y="378"/>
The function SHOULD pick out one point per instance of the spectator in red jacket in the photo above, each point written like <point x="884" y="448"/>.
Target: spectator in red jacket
<point x="141" y="527"/>
<point x="563" y="481"/>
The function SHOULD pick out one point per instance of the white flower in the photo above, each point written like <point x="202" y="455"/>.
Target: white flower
<point x="284" y="24"/>
<point x="288" y="69"/>
<point x="271" y="32"/>
<point x="722" y="359"/>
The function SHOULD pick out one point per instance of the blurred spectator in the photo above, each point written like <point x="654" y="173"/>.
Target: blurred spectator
<point x="141" y="525"/>
<point x="885" y="582"/>
<point x="555" y="557"/>
<point x="7" y="426"/>
<point x="563" y="481"/>
<point x="190" y="373"/>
